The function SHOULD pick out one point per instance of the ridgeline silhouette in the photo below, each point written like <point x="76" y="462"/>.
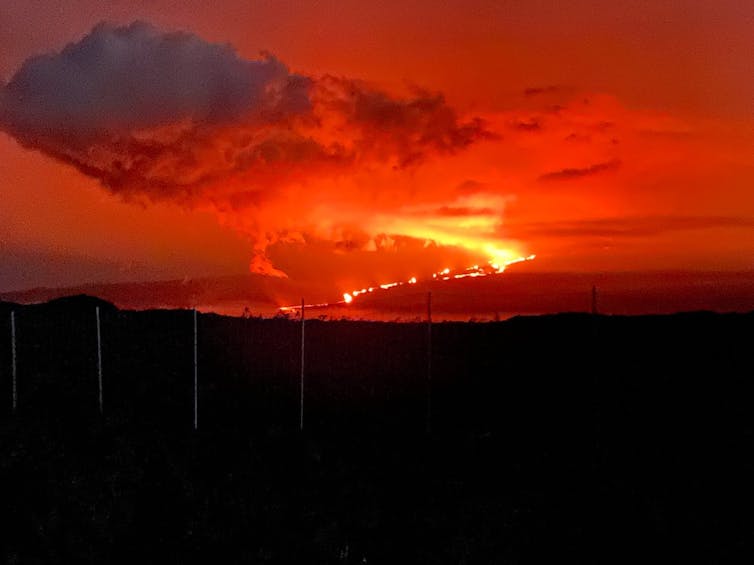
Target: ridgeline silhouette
<point x="579" y="437"/>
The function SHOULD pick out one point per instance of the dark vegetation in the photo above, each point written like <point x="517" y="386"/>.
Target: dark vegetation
<point x="568" y="438"/>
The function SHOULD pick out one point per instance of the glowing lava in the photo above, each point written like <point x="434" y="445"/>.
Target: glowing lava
<point x="492" y="268"/>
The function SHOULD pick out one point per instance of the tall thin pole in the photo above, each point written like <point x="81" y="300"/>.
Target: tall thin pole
<point x="13" y="357"/>
<point x="429" y="362"/>
<point x="595" y="310"/>
<point x="196" y="376"/>
<point x="99" y="359"/>
<point x="301" y="407"/>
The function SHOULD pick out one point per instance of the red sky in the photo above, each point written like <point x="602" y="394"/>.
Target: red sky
<point x="599" y="136"/>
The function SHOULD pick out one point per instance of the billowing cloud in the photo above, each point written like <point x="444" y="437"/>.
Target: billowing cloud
<point x="135" y="78"/>
<point x="346" y="167"/>
<point x="156" y="114"/>
<point x="169" y="116"/>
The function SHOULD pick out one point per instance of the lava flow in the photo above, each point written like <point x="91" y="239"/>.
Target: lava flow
<point x="493" y="267"/>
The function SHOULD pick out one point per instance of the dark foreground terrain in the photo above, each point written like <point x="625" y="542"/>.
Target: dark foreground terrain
<point x="569" y="438"/>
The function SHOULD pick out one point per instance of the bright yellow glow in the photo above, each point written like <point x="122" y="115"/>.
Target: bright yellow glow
<point x="501" y="258"/>
<point x="446" y="274"/>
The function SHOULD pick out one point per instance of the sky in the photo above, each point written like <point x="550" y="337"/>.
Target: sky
<point x="346" y="144"/>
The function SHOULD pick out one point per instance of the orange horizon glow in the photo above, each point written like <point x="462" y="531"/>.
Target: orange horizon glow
<point x="407" y="143"/>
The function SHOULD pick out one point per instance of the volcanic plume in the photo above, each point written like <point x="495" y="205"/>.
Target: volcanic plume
<point x="335" y="179"/>
<point x="168" y="116"/>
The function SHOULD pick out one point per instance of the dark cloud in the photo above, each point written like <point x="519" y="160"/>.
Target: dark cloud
<point x="134" y="77"/>
<point x="390" y="127"/>
<point x="574" y="173"/>
<point x="171" y="116"/>
<point x="158" y="114"/>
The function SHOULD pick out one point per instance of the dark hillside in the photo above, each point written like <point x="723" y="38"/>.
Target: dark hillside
<point x="572" y="437"/>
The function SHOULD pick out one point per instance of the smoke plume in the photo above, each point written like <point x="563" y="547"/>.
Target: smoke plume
<point x="168" y="116"/>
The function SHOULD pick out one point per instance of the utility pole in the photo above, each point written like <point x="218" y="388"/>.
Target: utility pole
<point x="196" y="375"/>
<point x="99" y="359"/>
<point x="301" y="407"/>
<point x="429" y="362"/>
<point x="13" y="358"/>
<point x="595" y="310"/>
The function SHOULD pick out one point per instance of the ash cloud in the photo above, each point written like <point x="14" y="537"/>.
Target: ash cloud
<point x="135" y="77"/>
<point x="155" y="113"/>
<point x="160" y="115"/>
<point x="388" y="127"/>
<point x="157" y="116"/>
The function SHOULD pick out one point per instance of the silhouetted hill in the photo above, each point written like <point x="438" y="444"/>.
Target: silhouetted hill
<point x="77" y="302"/>
<point x="571" y="437"/>
<point x="487" y="298"/>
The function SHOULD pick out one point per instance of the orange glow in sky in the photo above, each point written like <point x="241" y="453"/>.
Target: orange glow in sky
<point x="352" y="145"/>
